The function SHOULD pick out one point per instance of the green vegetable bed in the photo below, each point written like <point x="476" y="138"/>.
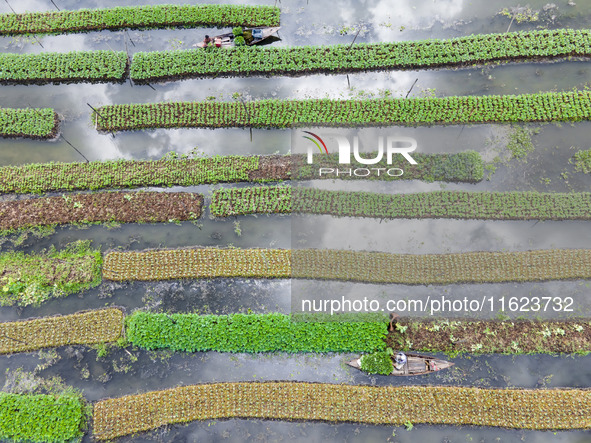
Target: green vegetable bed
<point x="137" y="17"/>
<point x="440" y="204"/>
<point x="303" y="60"/>
<point x="55" y="67"/>
<point x="541" y="107"/>
<point x="29" y="123"/>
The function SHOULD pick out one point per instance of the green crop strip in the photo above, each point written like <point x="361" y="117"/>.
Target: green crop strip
<point x="121" y="207"/>
<point x="45" y="177"/>
<point x="492" y="337"/>
<point x="441" y="204"/>
<point x="41" y="417"/>
<point x="461" y="167"/>
<point x="92" y="66"/>
<point x="451" y="405"/>
<point x="97" y="326"/>
<point x="541" y="107"/>
<point x="361" y="266"/>
<point x="137" y="17"/>
<point x="32" y="279"/>
<point x="251" y="333"/>
<point x="30" y="123"/>
<point x="303" y="60"/>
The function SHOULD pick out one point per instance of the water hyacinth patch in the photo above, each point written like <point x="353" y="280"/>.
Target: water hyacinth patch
<point x="30" y="279"/>
<point x="56" y="67"/>
<point x="304" y="60"/>
<point x="29" y="123"/>
<point x="540" y="107"/>
<point x="137" y="17"/>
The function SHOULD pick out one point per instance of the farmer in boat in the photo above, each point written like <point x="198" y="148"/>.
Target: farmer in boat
<point x="399" y="361"/>
<point x="206" y="41"/>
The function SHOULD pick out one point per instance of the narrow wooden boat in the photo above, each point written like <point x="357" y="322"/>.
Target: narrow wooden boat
<point x="415" y="365"/>
<point x="252" y="36"/>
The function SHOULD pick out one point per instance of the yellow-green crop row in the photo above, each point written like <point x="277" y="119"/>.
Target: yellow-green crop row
<point x="96" y="326"/>
<point x="361" y="266"/>
<point x="540" y="107"/>
<point x="440" y="204"/>
<point x="509" y="408"/>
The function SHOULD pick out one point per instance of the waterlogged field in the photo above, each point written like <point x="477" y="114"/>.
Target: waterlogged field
<point x="136" y="240"/>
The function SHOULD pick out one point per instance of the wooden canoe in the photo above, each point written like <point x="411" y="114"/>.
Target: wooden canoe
<point x="415" y="365"/>
<point x="227" y="40"/>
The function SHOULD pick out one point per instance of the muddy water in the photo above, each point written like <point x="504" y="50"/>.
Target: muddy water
<point x="545" y="169"/>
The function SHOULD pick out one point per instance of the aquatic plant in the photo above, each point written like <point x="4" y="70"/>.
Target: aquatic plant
<point x="30" y="279"/>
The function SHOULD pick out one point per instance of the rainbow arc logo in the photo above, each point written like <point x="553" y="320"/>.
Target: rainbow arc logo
<point x="316" y="142"/>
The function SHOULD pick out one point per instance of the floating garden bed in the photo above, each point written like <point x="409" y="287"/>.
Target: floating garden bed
<point x="29" y="123"/>
<point x="303" y="60"/>
<point x="137" y="17"/>
<point x="120" y="207"/>
<point x="494" y="337"/>
<point x="41" y="417"/>
<point x="197" y="263"/>
<point x="509" y="408"/>
<point x="541" y="107"/>
<point x="440" y="204"/>
<point x="32" y="279"/>
<point x="97" y="326"/>
<point x="55" y="67"/>
<point x="45" y="177"/>
<point x="361" y="266"/>
<point x="251" y="333"/>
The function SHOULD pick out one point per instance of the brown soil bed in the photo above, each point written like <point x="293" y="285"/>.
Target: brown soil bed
<point x="122" y="207"/>
<point x="492" y="336"/>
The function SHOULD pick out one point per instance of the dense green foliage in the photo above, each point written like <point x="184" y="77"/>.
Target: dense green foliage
<point x="440" y="204"/>
<point x="137" y="17"/>
<point x="377" y="363"/>
<point x="63" y="67"/>
<point x="473" y="49"/>
<point x="549" y="106"/>
<point x="251" y="333"/>
<point x="32" y="123"/>
<point x="41" y="417"/>
<point x="32" y="279"/>
<point x="582" y="161"/>
<point x="95" y="175"/>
